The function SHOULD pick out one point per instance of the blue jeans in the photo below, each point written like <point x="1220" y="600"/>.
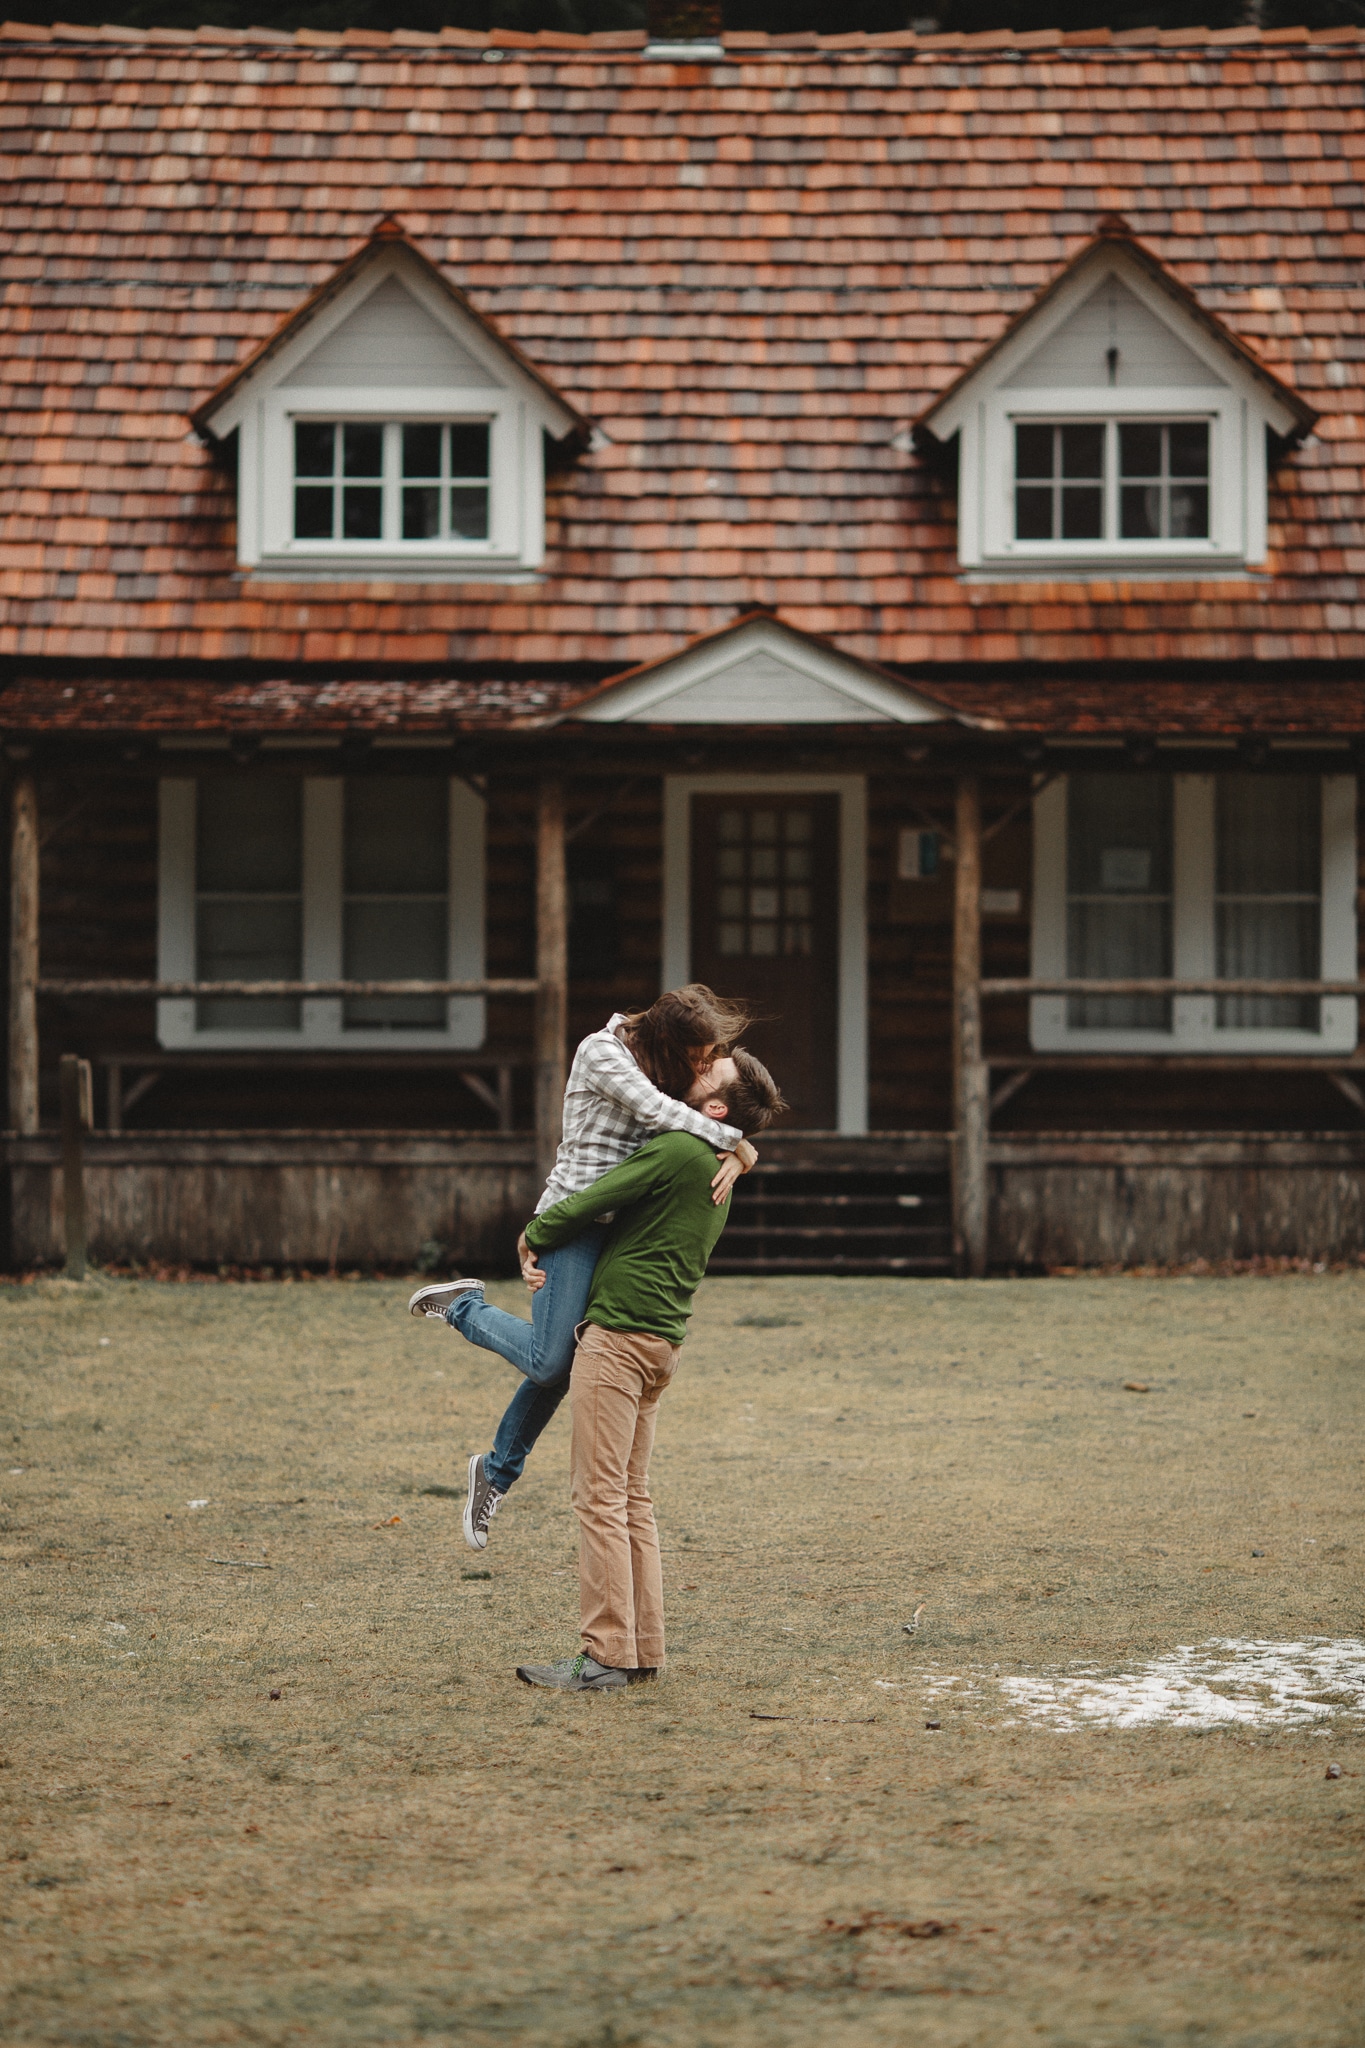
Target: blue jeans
<point x="541" y="1349"/>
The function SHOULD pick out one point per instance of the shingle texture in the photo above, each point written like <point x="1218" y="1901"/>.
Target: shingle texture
<point x="752" y="276"/>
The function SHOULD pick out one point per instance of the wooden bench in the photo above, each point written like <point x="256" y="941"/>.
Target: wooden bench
<point x="487" y="1075"/>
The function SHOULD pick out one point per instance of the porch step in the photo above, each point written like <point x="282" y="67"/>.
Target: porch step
<point x="879" y="1218"/>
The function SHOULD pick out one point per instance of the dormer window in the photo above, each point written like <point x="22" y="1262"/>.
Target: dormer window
<point x="1094" y="480"/>
<point x="388" y="430"/>
<point x="410" y="480"/>
<point x="1114" y="427"/>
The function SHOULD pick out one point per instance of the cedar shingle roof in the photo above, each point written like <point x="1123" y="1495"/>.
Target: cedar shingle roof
<point x="753" y="276"/>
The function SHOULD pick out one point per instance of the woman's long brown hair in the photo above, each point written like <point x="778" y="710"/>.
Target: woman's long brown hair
<point x="666" y="1037"/>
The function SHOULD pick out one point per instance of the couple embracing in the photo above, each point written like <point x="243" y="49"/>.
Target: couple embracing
<point x="658" y="1112"/>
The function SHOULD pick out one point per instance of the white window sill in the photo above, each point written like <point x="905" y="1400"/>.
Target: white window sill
<point x="388" y="569"/>
<point x="1113" y="569"/>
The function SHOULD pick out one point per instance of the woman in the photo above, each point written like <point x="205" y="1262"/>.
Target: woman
<point x="626" y="1083"/>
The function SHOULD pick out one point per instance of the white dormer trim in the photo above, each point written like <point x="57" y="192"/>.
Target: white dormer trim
<point x="985" y="407"/>
<point x="759" y="672"/>
<point x="263" y="405"/>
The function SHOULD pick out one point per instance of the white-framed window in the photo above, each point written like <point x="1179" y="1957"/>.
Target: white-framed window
<point x="273" y="877"/>
<point x="392" y="480"/>
<point x="1111" y="431"/>
<point x="392" y="434"/>
<point x="1103" y="480"/>
<point x="1150" y="876"/>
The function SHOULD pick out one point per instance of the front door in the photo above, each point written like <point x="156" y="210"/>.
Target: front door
<point x="765" y="930"/>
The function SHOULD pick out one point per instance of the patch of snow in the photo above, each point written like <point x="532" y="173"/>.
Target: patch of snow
<point x="1207" y="1685"/>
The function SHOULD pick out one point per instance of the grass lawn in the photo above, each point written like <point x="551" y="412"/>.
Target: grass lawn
<point x="268" y="1776"/>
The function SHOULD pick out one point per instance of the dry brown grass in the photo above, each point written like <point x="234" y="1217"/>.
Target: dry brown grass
<point x="407" y="1846"/>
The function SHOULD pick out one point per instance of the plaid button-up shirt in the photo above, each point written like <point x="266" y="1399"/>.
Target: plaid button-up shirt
<point x="610" y="1109"/>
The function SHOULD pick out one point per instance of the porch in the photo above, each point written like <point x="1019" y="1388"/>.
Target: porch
<point x="945" y="1129"/>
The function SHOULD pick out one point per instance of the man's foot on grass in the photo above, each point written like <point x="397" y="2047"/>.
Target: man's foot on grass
<point x="436" y="1299"/>
<point x="481" y="1504"/>
<point x="574" y="1674"/>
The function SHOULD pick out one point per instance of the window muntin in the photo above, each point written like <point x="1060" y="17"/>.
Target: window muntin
<point x="1101" y="480"/>
<point x="1119" y="896"/>
<point x="389" y="481"/>
<point x="1268" y="896"/>
<point x="248" y="903"/>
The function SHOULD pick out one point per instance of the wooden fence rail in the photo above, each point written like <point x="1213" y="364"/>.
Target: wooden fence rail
<point x="1071" y="986"/>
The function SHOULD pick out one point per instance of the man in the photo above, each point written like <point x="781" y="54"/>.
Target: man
<point x="665" y="1228"/>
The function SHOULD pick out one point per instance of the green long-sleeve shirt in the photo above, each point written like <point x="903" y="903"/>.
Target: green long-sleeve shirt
<point x="665" y="1230"/>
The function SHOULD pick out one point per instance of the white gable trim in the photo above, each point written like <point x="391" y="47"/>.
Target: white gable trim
<point x="1032" y="334"/>
<point x="761" y="674"/>
<point x="851" y="790"/>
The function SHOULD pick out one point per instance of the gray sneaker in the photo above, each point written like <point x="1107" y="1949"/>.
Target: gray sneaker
<point x="435" y="1300"/>
<point x="481" y="1504"/>
<point x="574" y="1674"/>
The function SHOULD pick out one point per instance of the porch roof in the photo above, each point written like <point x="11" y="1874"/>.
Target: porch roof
<point x="1272" y="700"/>
<point x="753" y="275"/>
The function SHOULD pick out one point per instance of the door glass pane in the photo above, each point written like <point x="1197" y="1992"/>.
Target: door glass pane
<point x="763" y="902"/>
<point x="1119" y="850"/>
<point x="395" y="908"/>
<point x="249" y="902"/>
<point x="1268" y="904"/>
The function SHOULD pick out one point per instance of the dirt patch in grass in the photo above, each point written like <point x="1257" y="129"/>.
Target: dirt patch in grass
<point x="267" y="1776"/>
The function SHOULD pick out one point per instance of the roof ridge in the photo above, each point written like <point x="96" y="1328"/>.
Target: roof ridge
<point x="751" y="43"/>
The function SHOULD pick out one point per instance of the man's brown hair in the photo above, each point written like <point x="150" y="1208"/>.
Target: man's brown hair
<point x="753" y="1099"/>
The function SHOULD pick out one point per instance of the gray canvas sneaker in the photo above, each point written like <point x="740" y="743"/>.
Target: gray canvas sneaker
<point x="436" y="1299"/>
<point x="481" y="1504"/>
<point x="573" y="1674"/>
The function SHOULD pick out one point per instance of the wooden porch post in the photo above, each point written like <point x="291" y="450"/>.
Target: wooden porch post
<point x="970" y="1074"/>
<point x="552" y="970"/>
<point x="23" y="957"/>
<point x="77" y="1118"/>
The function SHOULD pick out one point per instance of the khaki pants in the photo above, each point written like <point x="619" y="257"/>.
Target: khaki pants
<point x="614" y="1389"/>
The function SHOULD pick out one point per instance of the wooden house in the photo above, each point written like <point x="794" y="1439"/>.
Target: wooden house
<point x="498" y="525"/>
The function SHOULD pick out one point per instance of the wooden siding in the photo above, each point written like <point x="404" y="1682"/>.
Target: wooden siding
<point x="290" y="1199"/>
<point x="1169" y="1198"/>
<point x="1056" y="1199"/>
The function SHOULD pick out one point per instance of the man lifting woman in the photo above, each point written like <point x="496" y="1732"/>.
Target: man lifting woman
<point x="619" y="1242"/>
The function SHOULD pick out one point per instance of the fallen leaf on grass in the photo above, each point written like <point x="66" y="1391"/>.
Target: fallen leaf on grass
<point x="391" y="1523"/>
<point x="1136" y="1387"/>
